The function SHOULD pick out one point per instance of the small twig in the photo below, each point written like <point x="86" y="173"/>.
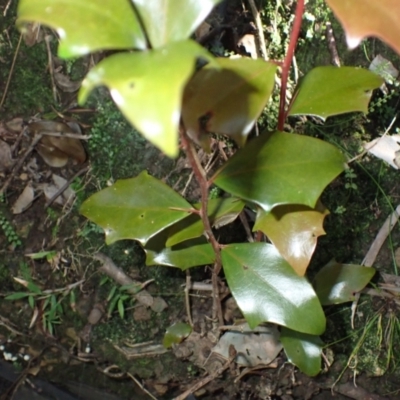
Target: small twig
<point x="65" y="186"/>
<point x="209" y="378"/>
<point x="16" y="144"/>
<point x="246" y="226"/>
<point x="187" y="298"/>
<point x="68" y="135"/>
<point x="141" y="386"/>
<point x="51" y="68"/>
<point x="260" y="32"/>
<point x="19" y="164"/>
<point x="332" y="44"/>
<point x="11" y="72"/>
<point x="7" y="7"/>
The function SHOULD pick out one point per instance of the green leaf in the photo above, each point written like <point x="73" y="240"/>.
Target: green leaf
<point x="147" y="87"/>
<point x="281" y="168"/>
<point x="191" y="253"/>
<point x="302" y="350"/>
<point x="34" y="288"/>
<point x="49" y="255"/>
<point x="31" y="301"/>
<point x="136" y="208"/>
<point x="220" y="211"/>
<point x="230" y="98"/>
<point x="168" y="21"/>
<point x="267" y="289"/>
<point x="362" y="18"/>
<point x="338" y="283"/>
<point x="294" y="230"/>
<point x="86" y="26"/>
<point x="176" y="333"/>
<point x="16" y="296"/>
<point x="327" y="91"/>
<point x="121" y="308"/>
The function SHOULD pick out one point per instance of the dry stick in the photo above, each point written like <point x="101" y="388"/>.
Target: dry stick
<point x="208" y="378"/>
<point x="187" y="299"/>
<point x="288" y="61"/>
<point x="47" y="39"/>
<point x="201" y="178"/>
<point x="141" y="386"/>
<point x="64" y="187"/>
<point x="7" y="7"/>
<point x="11" y="71"/>
<point x="260" y="32"/>
<point x="18" y="165"/>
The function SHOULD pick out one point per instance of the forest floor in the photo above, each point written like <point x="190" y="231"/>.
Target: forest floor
<point x="71" y="331"/>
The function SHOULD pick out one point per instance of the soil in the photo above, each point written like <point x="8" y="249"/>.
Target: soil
<point x="63" y="341"/>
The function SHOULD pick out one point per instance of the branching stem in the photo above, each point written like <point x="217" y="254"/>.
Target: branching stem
<point x="201" y="178"/>
<point x="288" y="62"/>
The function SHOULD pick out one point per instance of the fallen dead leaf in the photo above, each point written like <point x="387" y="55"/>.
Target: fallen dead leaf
<point x="66" y="84"/>
<point x="50" y="189"/>
<point x="25" y="200"/>
<point x="6" y="160"/>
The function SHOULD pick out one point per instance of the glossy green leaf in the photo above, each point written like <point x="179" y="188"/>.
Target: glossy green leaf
<point x="338" y="283"/>
<point x="294" y="230"/>
<point x="267" y="289"/>
<point x="86" y="26"/>
<point x="281" y="168"/>
<point x="176" y="333"/>
<point x="168" y="21"/>
<point x="191" y="253"/>
<point x="229" y="100"/>
<point x="327" y="91"/>
<point x="220" y="211"/>
<point x="362" y="18"/>
<point x="302" y="350"/>
<point x="136" y="208"/>
<point x="147" y="87"/>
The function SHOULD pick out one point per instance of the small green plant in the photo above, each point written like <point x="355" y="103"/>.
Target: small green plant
<point x="47" y="305"/>
<point x="171" y="89"/>
<point x="118" y="298"/>
<point x="12" y="237"/>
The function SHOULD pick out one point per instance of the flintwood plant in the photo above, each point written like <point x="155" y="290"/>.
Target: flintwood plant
<point x="175" y="93"/>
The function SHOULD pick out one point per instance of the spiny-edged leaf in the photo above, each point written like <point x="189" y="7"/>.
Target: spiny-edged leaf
<point x="147" y="87"/>
<point x="302" y="350"/>
<point x="281" y="168"/>
<point x="220" y="211"/>
<point x="176" y="333"/>
<point x="229" y="99"/>
<point x="327" y="91"/>
<point x="338" y="283"/>
<point x="267" y="289"/>
<point x="136" y="208"/>
<point x="362" y="18"/>
<point x="86" y="26"/>
<point x="190" y="253"/>
<point x="294" y="230"/>
<point x="168" y="21"/>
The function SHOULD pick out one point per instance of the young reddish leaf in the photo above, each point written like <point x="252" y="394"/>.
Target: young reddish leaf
<point x="176" y="333"/>
<point x="136" y="208"/>
<point x="220" y="211"/>
<point x="294" y="230"/>
<point x="86" y="26"/>
<point x="281" y="168"/>
<point x="327" y="91"/>
<point x="147" y="87"/>
<point x="167" y="21"/>
<point x="302" y="350"/>
<point x="267" y="289"/>
<point x="230" y="99"/>
<point x="338" y="283"/>
<point x="362" y="18"/>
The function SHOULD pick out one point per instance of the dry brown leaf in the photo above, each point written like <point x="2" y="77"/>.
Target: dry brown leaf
<point x="24" y="201"/>
<point x="32" y="34"/>
<point x="56" y="151"/>
<point x="66" y="84"/>
<point x="6" y="160"/>
<point x="50" y="189"/>
<point x="15" y="125"/>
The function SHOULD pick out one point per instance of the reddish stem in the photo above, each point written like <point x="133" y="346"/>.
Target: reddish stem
<point x="288" y="62"/>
